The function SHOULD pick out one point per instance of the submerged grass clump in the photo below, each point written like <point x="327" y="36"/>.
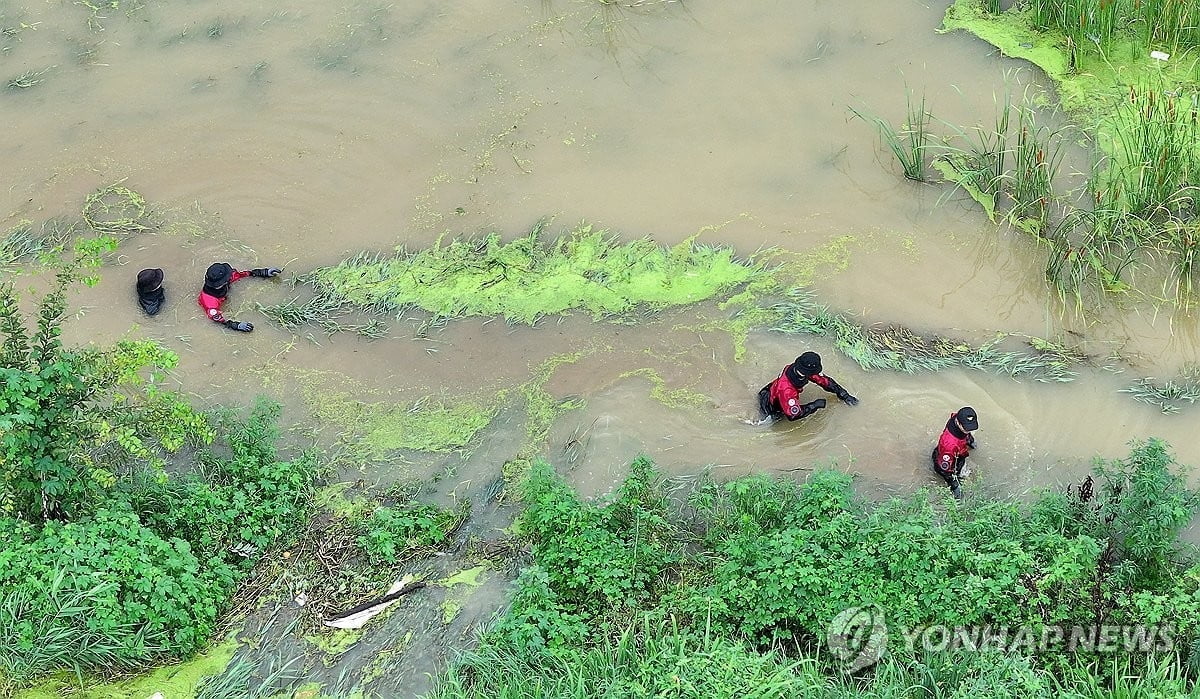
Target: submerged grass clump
<point x="1170" y="396"/>
<point x="900" y="349"/>
<point x="528" y="278"/>
<point x="25" y="241"/>
<point x="670" y="397"/>
<point x="117" y="210"/>
<point x="908" y="144"/>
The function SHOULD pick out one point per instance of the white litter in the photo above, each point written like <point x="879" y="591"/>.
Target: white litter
<point x="1159" y="55"/>
<point x="356" y="620"/>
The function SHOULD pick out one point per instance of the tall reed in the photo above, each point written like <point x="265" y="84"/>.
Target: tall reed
<point x="1037" y="158"/>
<point x="1171" y="25"/>
<point x="908" y="144"/>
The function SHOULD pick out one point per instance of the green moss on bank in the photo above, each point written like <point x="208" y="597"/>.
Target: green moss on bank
<point x="1096" y="82"/>
<point x="173" y="681"/>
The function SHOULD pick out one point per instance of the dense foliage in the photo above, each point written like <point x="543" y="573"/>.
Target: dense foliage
<point x="73" y="420"/>
<point x="391" y="532"/>
<point x="107" y="558"/>
<point x="734" y="594"/>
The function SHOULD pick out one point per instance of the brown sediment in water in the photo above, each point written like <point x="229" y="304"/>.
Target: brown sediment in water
<point x="308" y="135"/>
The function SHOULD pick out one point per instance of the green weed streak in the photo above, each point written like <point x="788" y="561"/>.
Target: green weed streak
<point x="174" y="681"/>
<point x="900" y="349"/>
<point x="670" y="397"/>
<point x="528" y="278"/>
<point x="751" y="309"/>
<point x="541" y="410"/>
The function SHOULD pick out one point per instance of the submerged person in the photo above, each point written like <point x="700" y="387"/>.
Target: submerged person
<point x="953" y="447"/>
<point x="781" y="397"/>
<point x="150" y="293"/>
<point x="216" y="286"/>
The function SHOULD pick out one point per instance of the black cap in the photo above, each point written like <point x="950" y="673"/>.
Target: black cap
<point x="808" y="363"/>
<point x="218" y="274"/>
<point x="967" y="419"/>
<point x="148" y="280"/>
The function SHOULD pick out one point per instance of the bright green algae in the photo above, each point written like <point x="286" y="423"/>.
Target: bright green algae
<point x="527" y="278"/>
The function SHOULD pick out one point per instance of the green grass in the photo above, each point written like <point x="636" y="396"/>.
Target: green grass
<point x="64" y="639"/>
<point x="1093" y="25"/>
<point x="897" y="348"/>
<point x="910" y="142"/>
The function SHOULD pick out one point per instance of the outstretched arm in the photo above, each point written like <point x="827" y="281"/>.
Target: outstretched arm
<point x="833" y="387"/>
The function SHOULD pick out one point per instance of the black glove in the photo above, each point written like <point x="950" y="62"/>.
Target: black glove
<point x="266" y="272"/>
<point x="239" y="326"/>
<point x="846" y="398"/>
<point x="970" y="440"/>
<point x="810" y="408"/>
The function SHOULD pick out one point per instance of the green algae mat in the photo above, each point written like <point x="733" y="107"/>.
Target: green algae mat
<point x="528" y="278"/>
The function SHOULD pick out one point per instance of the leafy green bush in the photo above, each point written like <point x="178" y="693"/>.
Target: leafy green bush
<point x="1148" y="503"/>
<point x="105" y="561"/>
<point x="600" y="559"/>
<point x="536" y="620"/>
<point x="612" y="606"/>
<point x="133" y="593"/>
<point x="243" y="497"/>
<point x="151" y="569"/>
<point x="72" y="420"/>
<point x="391" y="531"/>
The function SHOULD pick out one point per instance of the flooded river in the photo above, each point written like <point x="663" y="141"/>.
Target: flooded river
<point x="301" y="134"/>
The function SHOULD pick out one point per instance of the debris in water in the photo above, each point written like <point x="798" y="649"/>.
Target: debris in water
<point x="355" y="617"/>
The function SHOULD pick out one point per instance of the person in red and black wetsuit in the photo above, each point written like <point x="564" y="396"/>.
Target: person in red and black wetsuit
<point x="781" y="397"/>
<point x="216" y="285"/>
<point x="953" y="447"/>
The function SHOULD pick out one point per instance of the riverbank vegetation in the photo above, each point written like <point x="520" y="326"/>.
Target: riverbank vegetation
<point x="1125" y="72"/>
<point x="732" y="589"/>
<point x="127" y="517"/>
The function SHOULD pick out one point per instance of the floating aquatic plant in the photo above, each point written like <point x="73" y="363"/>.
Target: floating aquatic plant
<point x="116" y="210"/>
<point x="1171" y="395"/>
<point x="901" y="349"/>
<point x="528" y="278"/>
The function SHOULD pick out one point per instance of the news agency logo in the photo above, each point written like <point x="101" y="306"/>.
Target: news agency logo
<point x="858" y="637"/>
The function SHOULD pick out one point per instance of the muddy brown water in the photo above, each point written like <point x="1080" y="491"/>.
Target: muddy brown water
<point x="299" y="135"/>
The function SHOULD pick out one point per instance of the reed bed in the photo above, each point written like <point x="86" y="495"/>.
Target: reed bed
<point x="1170" y="25"/>
<point x="1138" y="230"/>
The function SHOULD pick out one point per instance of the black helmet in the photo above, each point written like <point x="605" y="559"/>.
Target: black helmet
<point x="967" y="419"/>
<point x="148" y="280"/>
<point x="808" y="363"/>
<point x="218" y="275"/>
